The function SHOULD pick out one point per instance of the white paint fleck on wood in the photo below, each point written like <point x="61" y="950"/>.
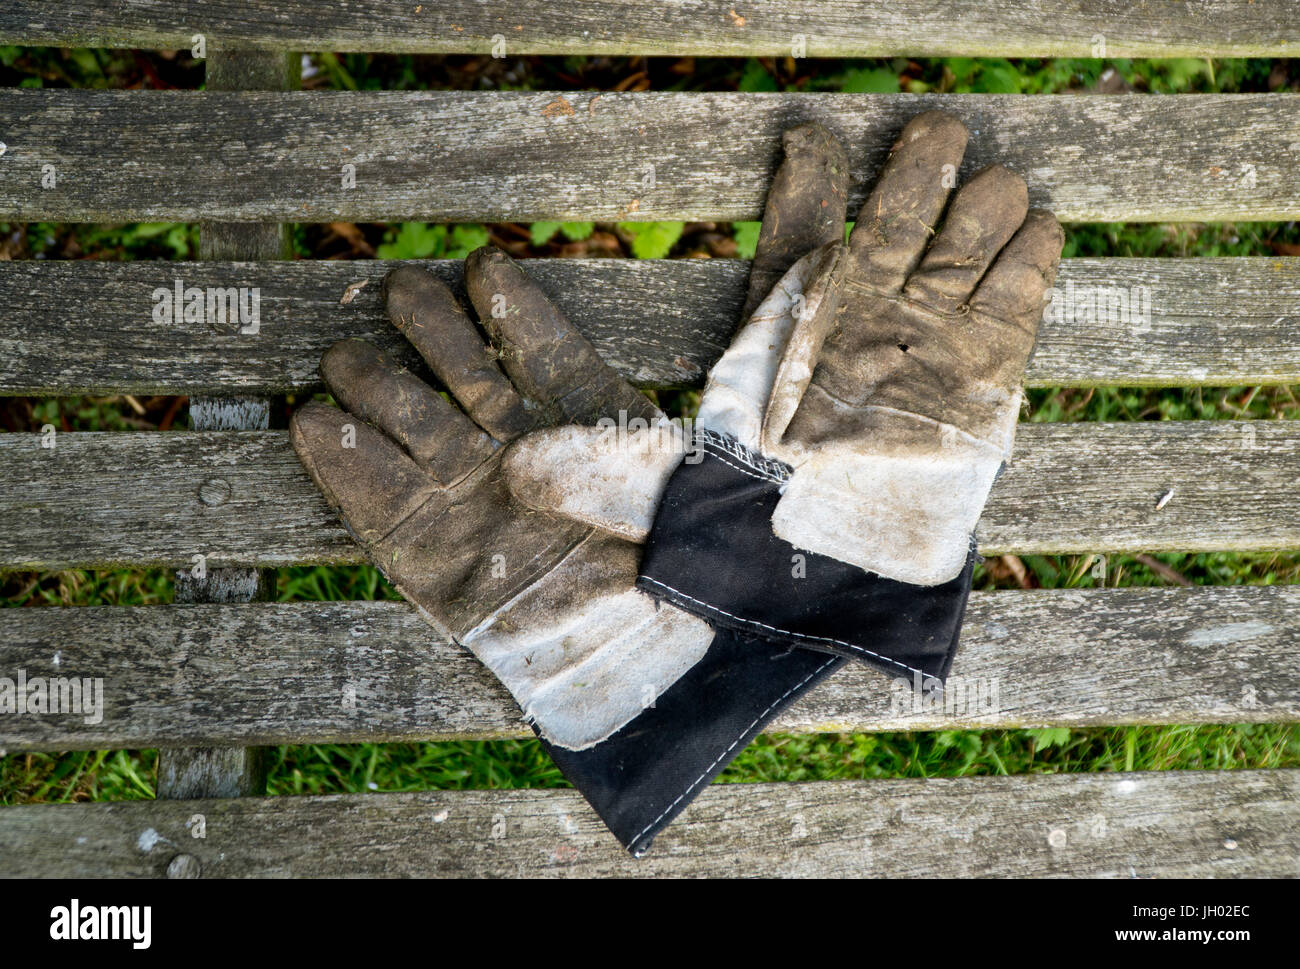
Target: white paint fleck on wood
<point x="461" y="156"/>
<point x="281" y="673"/>
<point x="1071" y="487"/>
<point x="1187" y="824"/>
<point x="772" y="28"/>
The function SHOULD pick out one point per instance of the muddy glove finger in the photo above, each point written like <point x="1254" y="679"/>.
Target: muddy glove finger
<point x="761" y="377"/>
<point x="614" y="482"/>
<point x="805" y="207"/>
<point x="346" y="458"/>
<point x="428" y="314"/>
<point x="1015" y="287"/>
<point x="803" y="229"/>
<point x="370" y="384"/>
<point x="551" y="363"/>
<point x="984" y="215"/>
<point x="899" y="218"/>
<point x="913" y="405"/>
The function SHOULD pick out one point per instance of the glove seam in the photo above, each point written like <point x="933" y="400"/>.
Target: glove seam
<point x="769" y="469"/>
<point x="745" y="470"/>
<point x="970" y="438"/>
<point x="726" y="750"/>
<point x="440" y="491"/>
<point x="497" y="450"/>
<point x="525" y="586"/>
<point x="963" y="309"/>
<point x="784" y="632"/>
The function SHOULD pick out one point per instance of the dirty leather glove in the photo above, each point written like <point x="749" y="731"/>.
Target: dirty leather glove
<point x="897" y="407"/>
<point x="645" y="775"/>
<point x="839" y="484"/>
<point x="642" y="776"/>
<point x="547" y="604"/>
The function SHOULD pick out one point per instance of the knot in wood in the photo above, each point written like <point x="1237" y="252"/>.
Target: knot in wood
<point x="184" y="866"/>
<point x="214" y="491"/>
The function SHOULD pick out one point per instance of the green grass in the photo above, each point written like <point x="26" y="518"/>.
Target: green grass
<point x="360" y="768"/>
<point x="315" y="769"/>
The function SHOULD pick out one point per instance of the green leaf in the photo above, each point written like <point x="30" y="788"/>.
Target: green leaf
<point x="1181" y="71"/>
<point x="338" y="74"/>
<point x="147" y="230"/>
<point x="653" y="240"/>
<point x="86" y="61"/>
<point x="542" y="231"/>
<point x="413" y="240"/>
<point x="963" y="68"/>
<point x="465" y="239"/>
<point x="577" y="231"/>
<point x="179" y="238"/>
<point x="746" y="236"/>
<point x="756" y="78"/>
<point x="879" y="80"/>
<point x="945" y="739"/>
<point x="1046" y="573"/>
<point x="998" y="78"/>
<point x="1050" y="737"/>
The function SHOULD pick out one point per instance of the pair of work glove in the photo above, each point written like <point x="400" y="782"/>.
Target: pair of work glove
<point x="653" y="597"/>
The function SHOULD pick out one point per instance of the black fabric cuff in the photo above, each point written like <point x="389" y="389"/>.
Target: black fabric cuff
<point x="646" y="774"/>
<point x="711" y="552"/>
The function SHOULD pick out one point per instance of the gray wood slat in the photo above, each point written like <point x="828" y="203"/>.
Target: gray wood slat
<point x="241" y="498"/>
<point x="374" y="671"/>
<point x="830" y="28"/>
<point x="1211" y="322"/>
<point x="1175" y="824"/>
<point x="186" y="772"/>
<point x="471" y="156"/>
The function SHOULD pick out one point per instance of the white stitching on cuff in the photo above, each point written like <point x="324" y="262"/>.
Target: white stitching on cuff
<point x="784" y="632"/>
<point x="743" y="469"/>
<point x="728" y="749"/>
<point x="769" y="468"/>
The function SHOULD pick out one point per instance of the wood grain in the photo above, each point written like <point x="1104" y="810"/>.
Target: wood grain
<point x="187" y="772"/>
<point x="195" y="674"/>
<point x="830" y="28"/>
<point x="351" y="672"/>
<point x="241" y="498"/>
<point x="1176" y="824"/>
<point x="448" y="156"/>
<point x="662" y="323"/>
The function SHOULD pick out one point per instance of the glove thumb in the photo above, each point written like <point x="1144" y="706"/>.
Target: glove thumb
<point x="609" y="476"/>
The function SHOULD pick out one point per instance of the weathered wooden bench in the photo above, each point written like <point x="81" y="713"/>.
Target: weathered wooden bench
<point x="209" y="679"/>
